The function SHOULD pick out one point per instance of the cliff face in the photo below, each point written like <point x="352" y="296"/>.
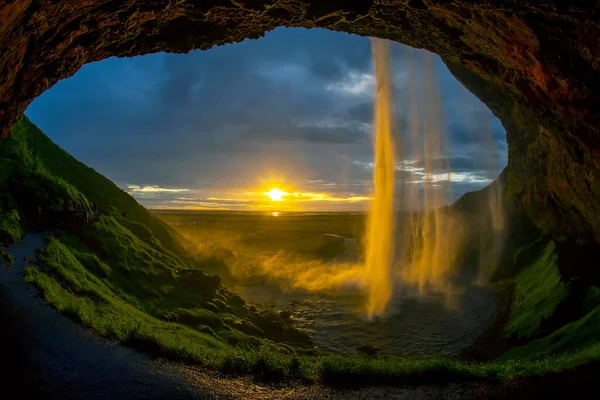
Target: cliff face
<point x="535" y="63"/>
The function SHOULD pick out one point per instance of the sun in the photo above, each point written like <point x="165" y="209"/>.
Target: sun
<point x="275" y="194"/>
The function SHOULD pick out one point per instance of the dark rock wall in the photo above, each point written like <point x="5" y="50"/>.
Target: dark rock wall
<point x="535" y="63"/>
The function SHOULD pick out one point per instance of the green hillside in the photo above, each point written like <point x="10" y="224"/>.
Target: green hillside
<point x="122" y="272"/>
<point x="127" y="276"/>
<point x="40" y="153"/>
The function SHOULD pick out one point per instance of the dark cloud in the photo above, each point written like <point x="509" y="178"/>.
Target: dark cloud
<point x="361" y="112"/>
<point x="296" y="102"/>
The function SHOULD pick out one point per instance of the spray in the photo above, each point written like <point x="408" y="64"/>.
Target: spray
<point x="431" y="234"/>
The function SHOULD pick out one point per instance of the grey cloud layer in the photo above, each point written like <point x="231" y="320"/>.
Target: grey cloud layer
<point x="226" y="117"/>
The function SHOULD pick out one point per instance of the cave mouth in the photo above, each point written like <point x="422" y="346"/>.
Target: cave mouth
<point x="167" y="127"/>
<point x="534" y="65"/>
<point x="289" y="100"/>
<point x="541" y="86"/>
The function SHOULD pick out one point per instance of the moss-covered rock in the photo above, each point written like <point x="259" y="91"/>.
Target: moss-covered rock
<point x="202" y="282"/>
<point x="6" y="257"/>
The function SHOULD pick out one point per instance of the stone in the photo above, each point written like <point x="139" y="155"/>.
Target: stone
<point x="367" y="349"/>
<point x="235" y="301"/>
<point x="210" y="306"/>
<point x="199" y="281"/>
<point x="285" y="315"/>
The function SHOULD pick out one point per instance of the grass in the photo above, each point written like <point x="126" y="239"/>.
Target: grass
<point x="538" y="293"/>
<point x="10" y="227"/>
<point x="576" y="343"/>
<point x="4" y="255"/>
<point x="36" y="172"/>
<point x="117" y="320"/>
<point x="303" y="237"/>
<point x="104" y="193"/>
<point x="72" y="280"/>
<point x="258" y="247"/>
<point x="150" y="281"/>
<point x="126" y="256"/>
<point x="342" y="224"/>
<point x="26" y="184"/>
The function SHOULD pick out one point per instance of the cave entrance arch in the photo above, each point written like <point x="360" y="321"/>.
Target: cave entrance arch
<point x="536" y="66"/>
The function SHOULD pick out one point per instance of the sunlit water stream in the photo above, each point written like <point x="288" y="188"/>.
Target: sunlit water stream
<point x="417" y="324"/>
<point x="409" y="293"/>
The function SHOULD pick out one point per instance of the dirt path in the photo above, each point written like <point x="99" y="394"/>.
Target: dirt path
<point x="46" y="355"/>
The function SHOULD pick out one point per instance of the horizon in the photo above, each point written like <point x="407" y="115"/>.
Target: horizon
<point x="292" y="111"/>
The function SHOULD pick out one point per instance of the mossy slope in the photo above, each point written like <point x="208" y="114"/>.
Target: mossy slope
<point x="122" y="259"/>
<point x="122" y="275"/>
<point x="35" y="151"/>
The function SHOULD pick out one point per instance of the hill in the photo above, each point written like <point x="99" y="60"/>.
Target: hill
<point x="126" y="275"/>
<point x="36" y="152"/>
<point x="120" y="270"/>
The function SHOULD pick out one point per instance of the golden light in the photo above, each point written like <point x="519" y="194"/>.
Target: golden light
<point x="276" y="194"/>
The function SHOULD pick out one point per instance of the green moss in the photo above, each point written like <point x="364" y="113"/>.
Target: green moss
<point x="4" y="255"/>
<point x="11" y="230"/>
<point x="220" y="347"/>
<point x="93" y="264"/>
<point x="200" y="317"/>
<point x="36" y="172"/>
<point x="591" y="299"/>
<point x="26" y="184"/>
<point x="520" y="258"/>
<point x="538" y="292"/>
<point x="103" y="193"/>
<point x="576" y="341"/>
<point x="118" y="320"/>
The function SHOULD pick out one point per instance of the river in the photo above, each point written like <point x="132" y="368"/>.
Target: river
<point x="415" y="324"/>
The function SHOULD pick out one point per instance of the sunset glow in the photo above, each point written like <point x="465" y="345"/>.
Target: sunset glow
<point x="276" y="194"/>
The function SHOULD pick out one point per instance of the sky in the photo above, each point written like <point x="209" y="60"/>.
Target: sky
<point x="293" y="110"/>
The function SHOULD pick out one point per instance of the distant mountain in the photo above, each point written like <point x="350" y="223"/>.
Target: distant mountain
<point x="491" y="222"/>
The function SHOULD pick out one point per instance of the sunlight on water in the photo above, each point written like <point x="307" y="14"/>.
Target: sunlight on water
<point x="380" y="225"/>
<point x="414" y="245"/>
<point x="431" y="236"/>
<point x="432" y="232"/>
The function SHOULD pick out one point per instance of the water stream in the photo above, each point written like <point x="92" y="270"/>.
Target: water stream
<point x="417" y="324"/>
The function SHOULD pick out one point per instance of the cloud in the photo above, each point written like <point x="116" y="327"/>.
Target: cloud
<point x="355" y="84"/>
<point x="153" y="189"/>
<point x="297" y="103"/>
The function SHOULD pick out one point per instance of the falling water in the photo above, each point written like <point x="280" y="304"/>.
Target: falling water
<point x="431" y="233"/>
<point x="423" y="248"/>
<point x="380" y="225"/>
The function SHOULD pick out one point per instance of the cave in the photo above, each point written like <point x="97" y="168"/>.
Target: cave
<point x="536" y="66"/>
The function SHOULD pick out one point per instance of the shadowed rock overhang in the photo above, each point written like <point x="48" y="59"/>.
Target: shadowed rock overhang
<point x="534" y="63"/>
